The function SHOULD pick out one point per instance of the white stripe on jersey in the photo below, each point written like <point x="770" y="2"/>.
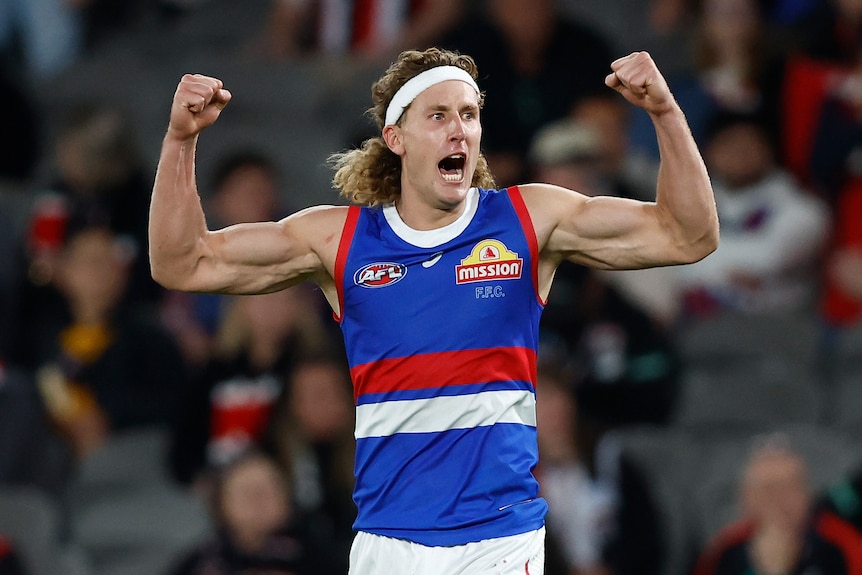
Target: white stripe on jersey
<point x="445" y="413"/>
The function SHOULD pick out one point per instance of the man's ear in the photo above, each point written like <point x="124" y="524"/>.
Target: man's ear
<point x="392" y="136"/>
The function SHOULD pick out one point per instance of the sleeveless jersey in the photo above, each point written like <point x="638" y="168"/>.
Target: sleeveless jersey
<point x="441" y="332"/>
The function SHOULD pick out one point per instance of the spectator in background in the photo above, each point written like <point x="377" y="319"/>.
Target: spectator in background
<point x="536" y="63"/>
<point x="601" y="518"/>
<point x="788" y="12"/>
<point x="31" y="453"/>
<point x="736" y="70"/>
<point x="227" y="408"/>
<point x="371" y="29"/>
<point x="779" y="532"/>
<point x="243" y="188"/>
<point x="838" y="136"/>
<point x="773" y="231"/>
<point x="10" y="561"/>
<point x="99" y="177"/>
<point x="40" y="38"/>
<point x="658" y="26"/>
<point x="627" y="175"/>
<point x="833" y="31"/>
<point x="836" y="168"/>
<point x="311" y="433"/>
<point x="573" y="153"/>
<point x="10" y="281"/>
<point x="842" y="300"/>
<point x="104" y="20"/>
<point x="844" y="498"/>
<point x="610" y="119"/>
<point x="613" y="334"/>
<point x="20" y="125"/>
<point x="828" y="42"/>
<point x="103" y="365"/>
<point x="258" y="530"/>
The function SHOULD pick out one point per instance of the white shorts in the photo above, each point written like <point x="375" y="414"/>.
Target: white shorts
<point x="522" y="554"/>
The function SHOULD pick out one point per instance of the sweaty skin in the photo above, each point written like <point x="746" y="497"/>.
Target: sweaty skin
<point x="680" y="227"/>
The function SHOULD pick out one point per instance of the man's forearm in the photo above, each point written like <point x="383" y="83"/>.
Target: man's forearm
<point x="177" y="221"/>
<point x="684" y="192"/>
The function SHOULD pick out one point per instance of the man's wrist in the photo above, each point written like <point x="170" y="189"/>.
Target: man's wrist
<point x="671" y="109"/>
<point x="178" y="138"/>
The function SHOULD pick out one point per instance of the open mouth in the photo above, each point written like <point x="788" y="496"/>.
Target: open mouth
<point x="452" y="167"/>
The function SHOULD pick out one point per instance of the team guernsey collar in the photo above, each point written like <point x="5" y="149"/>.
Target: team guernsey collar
<point x="421" y="82"/>
<point x="432" y="238"/>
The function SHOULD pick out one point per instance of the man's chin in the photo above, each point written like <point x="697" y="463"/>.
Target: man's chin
<point x="454" y="192"/>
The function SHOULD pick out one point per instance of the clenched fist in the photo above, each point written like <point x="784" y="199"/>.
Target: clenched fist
<point x="638" y="79"/>
<point x="198" y="102"/>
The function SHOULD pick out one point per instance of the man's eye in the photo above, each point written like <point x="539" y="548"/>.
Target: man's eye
<point x="438" y="116"/>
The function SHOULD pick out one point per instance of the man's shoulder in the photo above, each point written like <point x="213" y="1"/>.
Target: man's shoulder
<point x="318" y="216"/>
<point x="319" y="226"/>
<point x="542" y="192"/>
<point x="323" y="210"/>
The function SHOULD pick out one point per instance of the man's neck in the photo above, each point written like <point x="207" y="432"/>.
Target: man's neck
<point x="422" y="217"/>
<point x="428" y="226"/>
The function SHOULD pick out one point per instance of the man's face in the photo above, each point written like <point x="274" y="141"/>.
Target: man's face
<point x="248" y="194"/>
<point x="438" y="142"/>
<point x="739" y="155"/>
<point x="775" y="491"/>
<point x="254" y="502"/>
<point x="93" y="271"/>
<point x="525" y="23"/>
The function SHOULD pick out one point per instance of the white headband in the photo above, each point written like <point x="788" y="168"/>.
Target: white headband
<point x="421" y="82"/>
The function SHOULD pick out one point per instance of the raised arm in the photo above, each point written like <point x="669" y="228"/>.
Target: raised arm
<point x="680" y="227"/>
<point x="246" y="258"/>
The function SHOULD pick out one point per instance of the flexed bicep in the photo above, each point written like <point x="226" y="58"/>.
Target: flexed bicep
<point x="260" y="257"/>
<point x="616" y="233"/>
<point x="251" y="258"/>
<point x="604" y="231"/>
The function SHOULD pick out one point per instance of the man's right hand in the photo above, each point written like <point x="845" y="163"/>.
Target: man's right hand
<point x="197" y="104"/>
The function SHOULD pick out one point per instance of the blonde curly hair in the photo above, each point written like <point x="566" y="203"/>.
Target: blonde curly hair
<point x="371" y="174"/>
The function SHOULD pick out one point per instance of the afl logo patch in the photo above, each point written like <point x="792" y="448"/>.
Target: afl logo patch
<point x="379" y="275"/>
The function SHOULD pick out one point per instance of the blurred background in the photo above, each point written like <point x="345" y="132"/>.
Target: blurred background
<point x="705" y="419"/>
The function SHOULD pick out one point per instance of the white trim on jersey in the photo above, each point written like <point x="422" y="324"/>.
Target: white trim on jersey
<point x="445" y="413"/>
<point x="433" y="238"/>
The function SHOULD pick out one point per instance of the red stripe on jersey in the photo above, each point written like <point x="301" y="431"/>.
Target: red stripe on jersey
<point x="341" y="256"/>
<point x="433" y="370"/>
<point x="529" y="233"/>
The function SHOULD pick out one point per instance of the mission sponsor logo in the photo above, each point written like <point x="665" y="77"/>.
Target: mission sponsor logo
<point x="379" y="275"/>
<point x="489" y="260"/>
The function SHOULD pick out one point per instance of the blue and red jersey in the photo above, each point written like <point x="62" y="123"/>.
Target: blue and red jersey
<point x="441" y="332"/>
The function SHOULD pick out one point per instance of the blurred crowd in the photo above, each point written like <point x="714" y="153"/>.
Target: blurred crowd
<point x="253" y="395"/>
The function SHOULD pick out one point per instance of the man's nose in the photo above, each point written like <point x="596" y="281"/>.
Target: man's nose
<point x="457" y="129"/>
